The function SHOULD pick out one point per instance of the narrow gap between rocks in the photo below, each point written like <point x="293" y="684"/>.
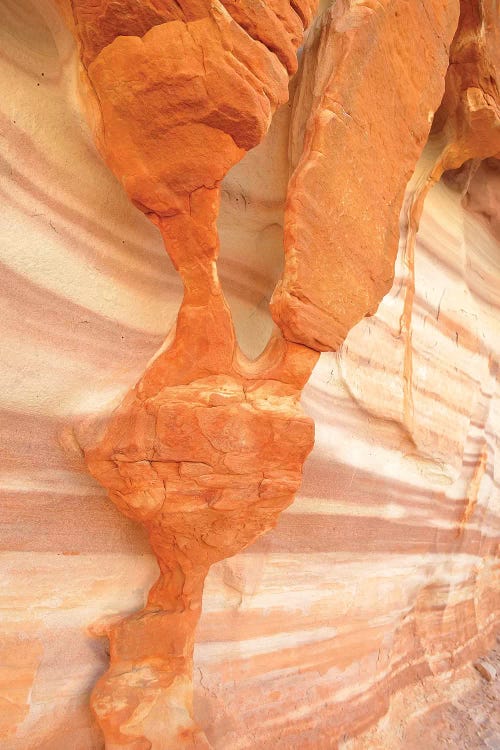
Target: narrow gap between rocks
<point x="250" y="227"/>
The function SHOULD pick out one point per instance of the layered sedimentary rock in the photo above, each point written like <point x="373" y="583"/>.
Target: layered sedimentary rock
<point x="399" y="510"/>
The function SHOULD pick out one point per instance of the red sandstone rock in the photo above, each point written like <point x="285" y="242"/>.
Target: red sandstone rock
<point x="372" y="78"/>
<point x="468" y="120"/>
<point x="206" y="467"/>
<point x="208" y="448"/>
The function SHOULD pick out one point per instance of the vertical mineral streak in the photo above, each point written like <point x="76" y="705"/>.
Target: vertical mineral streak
<point x="207" y="449"/>
<point x="466" y="127"/>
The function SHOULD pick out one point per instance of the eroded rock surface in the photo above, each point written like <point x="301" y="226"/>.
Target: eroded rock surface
<point x="207" y="449"/>
<point x="207" y="467"/>
<point x="361" y="119"/>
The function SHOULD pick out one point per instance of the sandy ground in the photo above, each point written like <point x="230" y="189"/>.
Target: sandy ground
<point x="469" y="722"/>
<point x="437" y="714"/>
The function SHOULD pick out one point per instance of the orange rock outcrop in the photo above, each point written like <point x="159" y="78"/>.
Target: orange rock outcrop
<point x="208" y="448"/>
<point x="365" y="103"/>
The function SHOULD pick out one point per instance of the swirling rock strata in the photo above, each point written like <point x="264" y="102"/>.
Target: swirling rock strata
<point x="207" y="449"/>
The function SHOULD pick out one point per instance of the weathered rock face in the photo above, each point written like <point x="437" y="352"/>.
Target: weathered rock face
<point x="383" y="576"/>
<point x="206" y="467"/>
<point x="351" y="222"/>
<point x="209" y="448"/>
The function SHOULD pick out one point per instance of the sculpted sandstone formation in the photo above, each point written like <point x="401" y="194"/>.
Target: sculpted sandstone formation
<point x="208" y="448"/>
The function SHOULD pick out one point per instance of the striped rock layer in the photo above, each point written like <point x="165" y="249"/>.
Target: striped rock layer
<point x="383" y="576"/>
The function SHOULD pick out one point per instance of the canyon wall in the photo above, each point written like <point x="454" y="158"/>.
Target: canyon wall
<point x="380" y="583"/>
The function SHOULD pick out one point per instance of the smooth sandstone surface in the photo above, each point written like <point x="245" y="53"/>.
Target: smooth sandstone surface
<point x="380" y="584"/>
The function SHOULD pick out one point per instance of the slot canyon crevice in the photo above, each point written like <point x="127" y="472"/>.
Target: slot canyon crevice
<point x="392" y="102"/>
